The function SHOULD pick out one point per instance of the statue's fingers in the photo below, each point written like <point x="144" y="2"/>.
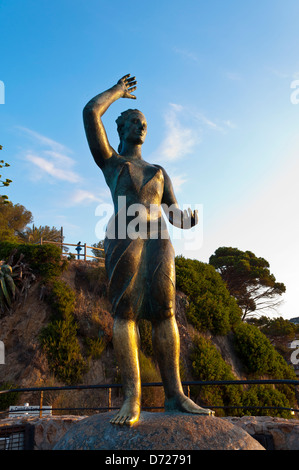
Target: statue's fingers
<point x="125" y="76"/>
<point x="123" y="80"/>
<point x="131" y="79"/>
<point x="133" y="88"/>
<point x="130" y="82"/>
<point x="128" y="95"/>
<point x="131" y="85"/>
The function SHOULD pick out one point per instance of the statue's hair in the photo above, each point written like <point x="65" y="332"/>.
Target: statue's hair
<point x="120" y="121"/>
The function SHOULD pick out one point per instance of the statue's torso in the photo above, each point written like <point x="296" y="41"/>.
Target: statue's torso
<point x="140" y="264"/>
<point x="138" y="181"/>
<point x="137" y="190"/>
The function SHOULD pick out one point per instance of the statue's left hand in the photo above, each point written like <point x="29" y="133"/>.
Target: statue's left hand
<point x="128" y="84"/>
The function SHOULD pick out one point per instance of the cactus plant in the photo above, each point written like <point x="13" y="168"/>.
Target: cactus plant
<point x="15" y="281"/>
<point x="7" y="285"/>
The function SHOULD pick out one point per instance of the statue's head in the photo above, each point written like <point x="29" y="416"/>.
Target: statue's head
<point x="132" y="127"/>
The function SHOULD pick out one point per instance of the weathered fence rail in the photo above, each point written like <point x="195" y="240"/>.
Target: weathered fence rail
<point x="186" y="384"/>
<point x="83" y="247"/>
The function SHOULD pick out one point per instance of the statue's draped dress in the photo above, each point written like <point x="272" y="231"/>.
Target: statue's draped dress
<point x="141" y="271"/>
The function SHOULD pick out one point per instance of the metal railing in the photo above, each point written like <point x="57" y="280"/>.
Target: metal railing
<point x="83" y="247"/>
<point x="187" y="384"/>
<point x="17" y="437"/>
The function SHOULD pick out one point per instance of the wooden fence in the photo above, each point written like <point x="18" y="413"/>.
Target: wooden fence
<point x="81" y="256"/>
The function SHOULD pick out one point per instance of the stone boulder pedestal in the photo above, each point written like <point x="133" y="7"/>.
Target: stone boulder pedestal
<point x="157" y="431"/>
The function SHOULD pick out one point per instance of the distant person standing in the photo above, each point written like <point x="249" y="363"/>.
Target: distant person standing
<point x="78" y="249"/>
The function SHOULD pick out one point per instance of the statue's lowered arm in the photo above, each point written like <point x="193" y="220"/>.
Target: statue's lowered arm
<point x="180" y="219"/>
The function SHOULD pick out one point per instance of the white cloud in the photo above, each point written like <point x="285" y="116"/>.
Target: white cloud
<point x="177" y="182"/>
<point x="179" y="140"/>
<point x="44" y="141"/>
<point x="229" y="124"/>
<point x="82" y="195"/>
<point x="50" y="157"/>
<point x="184" y="129"/>
<point x="207" y="122"/>
<point x="60" y="157"/>
<point x="53" y="170"/>
<point x="214" y="125"/>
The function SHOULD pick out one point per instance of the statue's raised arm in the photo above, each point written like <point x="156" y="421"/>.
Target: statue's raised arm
<point x="95" y="132"/>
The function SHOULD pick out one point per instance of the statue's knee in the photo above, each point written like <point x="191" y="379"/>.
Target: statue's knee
<point x="166" y="312"/>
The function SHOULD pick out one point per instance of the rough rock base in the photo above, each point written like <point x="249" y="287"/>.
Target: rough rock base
<point x="157" y="431"/>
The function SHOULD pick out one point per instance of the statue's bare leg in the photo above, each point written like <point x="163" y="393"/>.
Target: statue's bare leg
<point x="166" y="344"/>
<point x="125" y="343"/>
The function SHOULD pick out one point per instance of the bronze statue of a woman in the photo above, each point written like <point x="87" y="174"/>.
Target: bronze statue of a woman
<point x="140" y="269"/>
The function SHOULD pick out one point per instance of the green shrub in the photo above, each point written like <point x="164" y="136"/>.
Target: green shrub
<point x="208" y="364"/>
<point x="59" y="337"/>
<point x="211" y="307"/>
<point x="258" y="354"/>
<point x="59" y="340"/>
<point x="96" y="278"/>
<point x="254" y="349"/>
<point x="280" y="327"/>
<point x="145" y="332"/>
<point x="266" y="396"/>
<point x="62" y="299"/>
<point x="95" y="347"/>
<point x="8" y="399"/>
<point x="44" y="260"/>
<point x="151" y="396"/>
<point x="262" y="359"/>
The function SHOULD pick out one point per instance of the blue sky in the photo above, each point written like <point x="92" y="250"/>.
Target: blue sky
<point x="214" y="82"/>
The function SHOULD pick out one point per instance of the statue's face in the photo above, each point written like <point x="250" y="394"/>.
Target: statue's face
<point x="135" y="128"/>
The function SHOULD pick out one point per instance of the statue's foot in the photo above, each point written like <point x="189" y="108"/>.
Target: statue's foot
<point x="128" y="414"/>
<point x="185" y="404"/>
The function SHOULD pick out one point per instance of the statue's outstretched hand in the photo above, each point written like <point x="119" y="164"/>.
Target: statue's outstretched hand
<point x="128" y="84"/>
